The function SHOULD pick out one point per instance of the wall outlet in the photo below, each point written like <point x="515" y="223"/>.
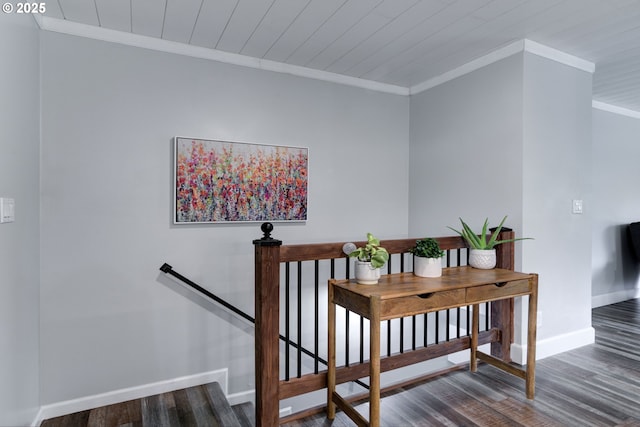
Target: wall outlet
<point x="539" y="319"/>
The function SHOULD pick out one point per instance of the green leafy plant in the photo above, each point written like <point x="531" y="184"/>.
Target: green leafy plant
<point x="476" y="241"/>
<point x="427" y="248"/>
<point x="371" y="252"/>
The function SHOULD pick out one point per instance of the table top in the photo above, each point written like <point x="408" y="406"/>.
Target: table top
<point x="399" y="285"/>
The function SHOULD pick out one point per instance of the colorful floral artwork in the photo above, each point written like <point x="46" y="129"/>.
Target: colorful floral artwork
<point x="217" y="181"/>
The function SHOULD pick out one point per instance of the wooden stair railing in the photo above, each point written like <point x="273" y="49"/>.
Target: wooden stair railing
<point x="270" y="252"/>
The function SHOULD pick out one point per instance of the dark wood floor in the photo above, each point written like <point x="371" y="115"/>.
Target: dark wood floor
<point x="596" y="385"/>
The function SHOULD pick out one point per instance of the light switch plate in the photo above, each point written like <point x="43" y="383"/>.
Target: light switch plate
<point x="577" y="206"/>
<point x="7" y="210"/>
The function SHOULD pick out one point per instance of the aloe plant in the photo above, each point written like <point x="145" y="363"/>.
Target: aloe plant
<point x="372" y="252"/>
<point x="476" y="241"/>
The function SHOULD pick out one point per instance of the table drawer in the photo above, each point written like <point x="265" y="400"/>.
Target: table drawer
<point x="416" y="304"/>
<point x="497" y="291"/>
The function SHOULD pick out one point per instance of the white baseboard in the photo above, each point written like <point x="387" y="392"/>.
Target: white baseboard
<point x="554" y="345"/>
<point x="544" y="348"/>
<point x="83" y="403"/>
<point x="614" y="297"/>
<point x="244" y="396"/>
<point x="250" y="396"/>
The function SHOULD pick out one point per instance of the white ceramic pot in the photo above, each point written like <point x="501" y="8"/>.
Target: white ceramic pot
<point x="427" y="267"/>
<point x="482" y="258"/>
<point x="365" y="273"/>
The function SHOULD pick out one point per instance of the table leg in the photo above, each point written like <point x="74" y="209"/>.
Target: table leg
<point x="531" y="338"/>
<point x="374" y="362"/>
<point x="475" y="325"/>
<point x="331" y="350"/>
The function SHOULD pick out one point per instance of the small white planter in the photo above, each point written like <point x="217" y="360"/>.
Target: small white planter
<point x="484" y="259"/>
<point x="365" y="273"/>
<point x="427" y="267"/>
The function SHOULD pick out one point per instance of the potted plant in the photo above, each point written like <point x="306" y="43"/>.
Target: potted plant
<point x="482" y="252"/>
<point x="369" y="259"/>
<point x="426" y="258"/>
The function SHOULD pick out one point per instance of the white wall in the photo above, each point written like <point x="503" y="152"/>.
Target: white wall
<point x="466" y="151"/>
<point x="616" y="194"/>
<point x="19" y="241"/>
<point x="556" y="170"/>
<point x="514" y="138"/>
<point x="109" y="318"/>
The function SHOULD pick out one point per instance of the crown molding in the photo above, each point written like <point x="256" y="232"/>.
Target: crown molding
<point x="490" y="58"/>
<point x="145" y="42"/>
<point x="514" y="48"/>
<point x="97" y="33"/>
<point x="599" y="105"/>
<point x="558" y="56"/>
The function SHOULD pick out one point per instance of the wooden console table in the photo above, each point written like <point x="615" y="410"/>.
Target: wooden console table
<point x="404" y="294"/>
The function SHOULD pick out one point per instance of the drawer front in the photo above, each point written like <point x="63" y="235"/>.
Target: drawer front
<point x="497" y="291"/>
<point x="408" y="306"/>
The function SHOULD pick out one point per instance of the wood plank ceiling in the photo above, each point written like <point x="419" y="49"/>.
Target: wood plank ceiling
<point x="396" y="42"/>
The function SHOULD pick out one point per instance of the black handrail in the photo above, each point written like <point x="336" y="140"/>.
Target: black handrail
<point x="167" y="269"/>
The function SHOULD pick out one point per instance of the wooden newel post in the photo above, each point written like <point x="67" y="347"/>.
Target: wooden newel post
<point x="505" y="253"/>
<point x="502" y="312"/>
<point x="267" y="332"/>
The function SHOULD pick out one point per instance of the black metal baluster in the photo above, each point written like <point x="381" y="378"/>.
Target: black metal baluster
<point x="426" y="329"/>
<point x="413" y="332"/>
<point x="389" y="337"/>
<point x="361" y="339"/>
<point x="299" y="353"/>
<point x="402" y="335"/>
<point x="448" y="322"/>
<point x="287" y="310"/>
<point x="486" y="316"/>
<point x="347" y="269"/>
<point x="347" y="315"/>
<point x="316" y="339"/>
<point x="347" y="274"/>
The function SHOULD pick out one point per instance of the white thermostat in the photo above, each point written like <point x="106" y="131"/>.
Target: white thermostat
<point x="7" y="210"/>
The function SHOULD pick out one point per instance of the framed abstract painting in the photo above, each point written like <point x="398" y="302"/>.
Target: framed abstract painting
<point x="223" y="182"/>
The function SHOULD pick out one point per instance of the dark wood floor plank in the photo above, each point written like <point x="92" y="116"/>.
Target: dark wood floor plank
<point x="408" y="407"/>
<point x="159" y="410"/>
<point x="124" y="414"/>
<point x="246" y="413"/>
<point x="202" y="410"/>
<point x="468" y="404"/>
<point x="78" y="419"/>
<point x="596" y="385"/>
<point x="524" y="413"/>
<point x="221" y="408"/>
